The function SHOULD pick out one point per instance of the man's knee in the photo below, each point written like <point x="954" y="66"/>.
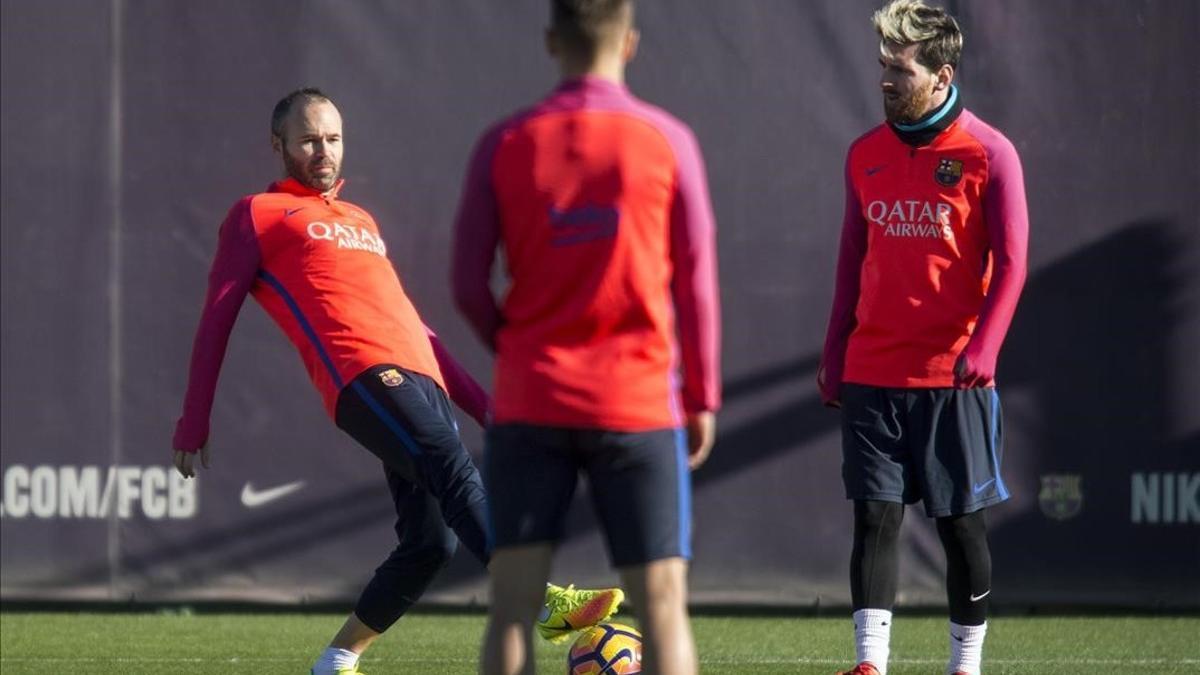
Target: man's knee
<point x="518" y="581"/>
<point x="402" y="579"/>
<point x="878" y="517"/>
<point x="423" y="554"/>
<point x="438" y="551"/>
<point x="660" y="585"/>
<point x="967" y="531"/>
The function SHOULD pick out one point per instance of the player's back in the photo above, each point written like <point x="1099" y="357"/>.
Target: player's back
<point x="584" y="184"/>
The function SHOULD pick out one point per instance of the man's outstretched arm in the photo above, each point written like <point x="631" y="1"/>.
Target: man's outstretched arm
<point x="232" y="275"/>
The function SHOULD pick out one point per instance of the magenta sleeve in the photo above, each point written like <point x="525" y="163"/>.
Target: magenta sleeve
<point x="462" y="388"/>
<point x="851" y="252"/>
<point x="1007" y="221"/>
<point x="233" y="273"/>
<point x="476" y="235"/>
<point x="694" y="278"/>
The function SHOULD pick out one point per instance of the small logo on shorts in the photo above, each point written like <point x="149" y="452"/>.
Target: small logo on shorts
<point x="391" y="377"/>
<point x="980" y="487"/>
<point x="1061" y="496"/>
<point x="948" y="172"/>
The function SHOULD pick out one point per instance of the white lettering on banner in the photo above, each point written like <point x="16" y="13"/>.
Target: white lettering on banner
<point x="78" y="492"/>
<point x="347" y="236"/>
<point x="154" y="484"/>
<point x="1165" y="498"/>
<point x="181" y="496"/>
<point x="16" y="496"/>
<point x="912" y="218"/>
<point x="43" y="498"/>
<point x="127" y="490"/>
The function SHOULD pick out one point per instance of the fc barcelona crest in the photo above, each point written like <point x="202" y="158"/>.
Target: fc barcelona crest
<point x="948" y="172"/>
<point x="391" y="377"/>
<point x="1061" y="496"/>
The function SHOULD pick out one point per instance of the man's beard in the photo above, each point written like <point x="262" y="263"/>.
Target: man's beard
<point x="903" y="110"/>
<point x="305" y="173"/>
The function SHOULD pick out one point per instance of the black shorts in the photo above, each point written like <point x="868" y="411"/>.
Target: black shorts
<point x="942" y="446"/>
<point x="640" y="487"/>
<point x="405" y="419"/>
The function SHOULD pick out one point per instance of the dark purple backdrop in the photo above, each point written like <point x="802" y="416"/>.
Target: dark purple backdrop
<point x="129" y="127"/>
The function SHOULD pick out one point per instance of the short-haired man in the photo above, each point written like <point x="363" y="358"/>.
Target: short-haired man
<point x="319" y="268"/>
<point x="930" y="269"/>
<point x="601" y="205"/>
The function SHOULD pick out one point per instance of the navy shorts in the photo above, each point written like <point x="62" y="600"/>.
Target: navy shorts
<point x="941" y="446"/>
<point x="405" y="419"/>
<point x="640" y="487"/>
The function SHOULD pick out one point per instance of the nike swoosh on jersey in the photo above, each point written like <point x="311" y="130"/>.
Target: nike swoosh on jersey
<point x="288" y="212"/>
<point x="980" y="487"/>
<point x="252" y="498"/>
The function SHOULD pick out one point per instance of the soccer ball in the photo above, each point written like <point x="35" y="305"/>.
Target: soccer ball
<point x="607" y="649"/>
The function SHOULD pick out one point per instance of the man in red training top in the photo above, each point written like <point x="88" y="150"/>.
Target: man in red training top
<point x="601" y="205"/>
<point x="930" y="269"/>
<point x="319" y="268"/>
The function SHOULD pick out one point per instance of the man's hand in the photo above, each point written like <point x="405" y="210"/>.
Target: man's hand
<point x="701" y="433"/>
<point x="829" y="395"/>
<point x="973" y="369"/>
<point x="185" y="461"/>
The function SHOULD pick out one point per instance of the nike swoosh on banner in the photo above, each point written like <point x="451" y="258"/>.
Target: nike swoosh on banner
<point x="977" y="598"/>
<point x="980" y="487"/>
<point x="252" y="498"/>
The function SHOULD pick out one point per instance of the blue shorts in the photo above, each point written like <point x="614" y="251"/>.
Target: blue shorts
<point x="640" y="487"/>
<point x="940" y="446"/>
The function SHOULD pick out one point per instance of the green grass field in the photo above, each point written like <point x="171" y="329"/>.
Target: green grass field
<point x="77" y="643"/>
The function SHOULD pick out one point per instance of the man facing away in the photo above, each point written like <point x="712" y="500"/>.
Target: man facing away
<point x="930" y="268"/>
<point x="600" y="203"/>
<point x="319" y="268"/>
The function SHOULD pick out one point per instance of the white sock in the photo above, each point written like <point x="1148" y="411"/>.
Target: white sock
<point x="332" y="659"/>
<point x="966" y="648"/>
<point x="872" y="635"/>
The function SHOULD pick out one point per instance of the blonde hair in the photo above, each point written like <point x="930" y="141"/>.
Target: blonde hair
<point x="912" y="22"/>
